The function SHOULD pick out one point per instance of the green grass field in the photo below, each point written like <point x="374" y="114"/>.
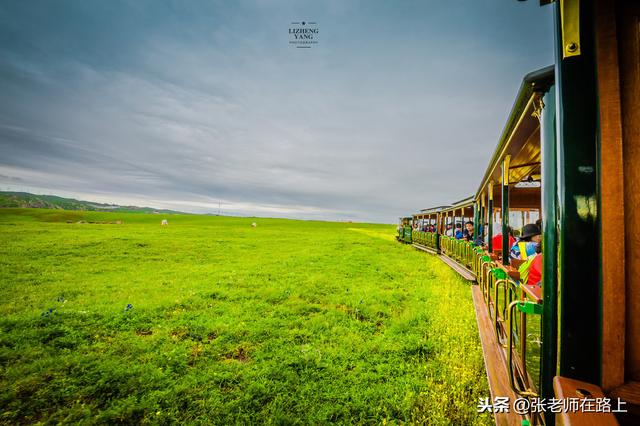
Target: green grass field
<point x="291" y="322"/>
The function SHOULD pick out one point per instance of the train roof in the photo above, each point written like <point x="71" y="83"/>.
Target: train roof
<point x="464" y="202"/>
<point x="434" y="209"/>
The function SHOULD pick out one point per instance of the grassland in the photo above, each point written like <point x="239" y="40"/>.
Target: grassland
<point x="209" y="320"/>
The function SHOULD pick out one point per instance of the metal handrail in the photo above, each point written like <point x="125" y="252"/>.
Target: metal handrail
<point x="485" y="279"/>
<point x="476" y="261"/>
<point x="512" y="381"/>
<point x="499" y="319"/>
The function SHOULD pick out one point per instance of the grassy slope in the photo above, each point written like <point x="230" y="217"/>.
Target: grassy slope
<point x="289" y="322"/>
<point x="28" y="200"/>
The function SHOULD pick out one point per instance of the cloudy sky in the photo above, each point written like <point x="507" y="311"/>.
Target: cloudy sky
<point x="188" y="104"/>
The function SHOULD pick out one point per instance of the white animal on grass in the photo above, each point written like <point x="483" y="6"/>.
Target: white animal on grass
<point x="164" y="222"/>
<point x="254" y="224"/>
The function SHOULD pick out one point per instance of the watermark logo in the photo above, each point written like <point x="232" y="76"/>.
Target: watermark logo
<point x="303" y="34"/>
<point x="503" y="404"/>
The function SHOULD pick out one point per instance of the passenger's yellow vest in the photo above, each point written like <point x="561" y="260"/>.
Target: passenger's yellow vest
<point x="523" y="250"/>
<point x="524" y="269"/>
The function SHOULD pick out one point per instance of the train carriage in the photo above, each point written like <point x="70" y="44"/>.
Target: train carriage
<point x="425" y="234"/>
<point x="454" y="248"/>
<point x="510" y="195"/>
<point x="405" y="229"/>
<point x="565" y="160"/>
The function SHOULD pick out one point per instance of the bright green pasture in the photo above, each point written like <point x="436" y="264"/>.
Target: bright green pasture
<point x="291" y="322"/>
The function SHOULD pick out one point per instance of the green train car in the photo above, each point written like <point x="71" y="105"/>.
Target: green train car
<point x="567" y="160"/>
<point x="425" y="236"/>
<point x="405" y="230"/>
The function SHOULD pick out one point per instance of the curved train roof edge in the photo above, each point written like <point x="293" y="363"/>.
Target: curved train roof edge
<point x="464" y="202"/>
<point x="432" y="210"/>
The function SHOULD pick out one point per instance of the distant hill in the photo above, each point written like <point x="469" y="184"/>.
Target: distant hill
<point x="27" y="200"/>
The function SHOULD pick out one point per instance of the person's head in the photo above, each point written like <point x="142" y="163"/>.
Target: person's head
<point x="531" y="232"/>
<point x="458" y="226"/>
<point x="469" y="226"/>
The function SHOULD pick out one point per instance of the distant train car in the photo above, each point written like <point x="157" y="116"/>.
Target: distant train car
<point x="425" y="234"/>
<point x="553" y="247"/>
<point x="405" y="229"/>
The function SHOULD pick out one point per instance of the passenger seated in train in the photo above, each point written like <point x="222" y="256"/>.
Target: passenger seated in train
<point x="458" y="232"/>
<point x="468" y="231"/>
<point x="531" y="270"/>
<point x="526" y="244"/>
<point x="496" y="240"/>
<point x="479" y="239"/>
<point x="449" y="231"/>
<point x="535" y="271"/>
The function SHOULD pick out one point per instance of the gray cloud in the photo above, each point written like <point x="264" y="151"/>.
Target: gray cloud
<point x="189" y="104"/>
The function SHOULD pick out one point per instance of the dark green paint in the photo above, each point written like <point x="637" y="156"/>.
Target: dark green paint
<point x="475" y="221"/>
<point x="549" y="240"/>
<point x="505" y="221"/>
<point x="578" y="237"/>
